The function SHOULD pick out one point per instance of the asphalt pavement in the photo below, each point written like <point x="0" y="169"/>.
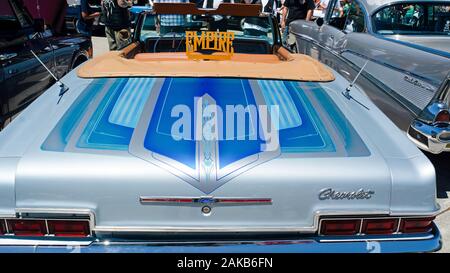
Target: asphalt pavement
<point x="441" y="163"/>
<point x="100" y="45"/>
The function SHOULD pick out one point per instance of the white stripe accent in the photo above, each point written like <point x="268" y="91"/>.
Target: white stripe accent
<point x="276" y="94"/>
<point x="130" y="104"/>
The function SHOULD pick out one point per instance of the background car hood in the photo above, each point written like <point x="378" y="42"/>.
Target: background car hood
<point x="52" y="11"/>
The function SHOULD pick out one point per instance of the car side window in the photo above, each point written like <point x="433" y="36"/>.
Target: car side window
<point x="416" y="18"/>
<point x="335" y="15"/>
<point x="354" y="14"/>
<point x="348" y="16"/>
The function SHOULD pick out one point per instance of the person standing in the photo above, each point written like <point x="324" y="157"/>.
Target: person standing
<point x="84" y="24"/>
<point x="295" y="10"/>
<point x="337" y="9"/>
<point x="171" y="23"/>
<point x="116" y="17"/>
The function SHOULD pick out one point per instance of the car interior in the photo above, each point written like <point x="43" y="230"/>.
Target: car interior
<point x="403" y="18"/>
<point x="253" y="35"/>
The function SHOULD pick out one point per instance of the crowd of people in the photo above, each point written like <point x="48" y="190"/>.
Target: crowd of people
<point x="116" y="17"/>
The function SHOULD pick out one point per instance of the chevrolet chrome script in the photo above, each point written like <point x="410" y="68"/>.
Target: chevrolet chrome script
<point x="330" y="194"/>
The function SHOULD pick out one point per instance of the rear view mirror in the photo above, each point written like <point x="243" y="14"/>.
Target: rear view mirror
<point x="39" y="25"/>
<point x="319" y="21"/>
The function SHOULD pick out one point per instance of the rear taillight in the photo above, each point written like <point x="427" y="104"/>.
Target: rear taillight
<point x="69" y="228"/>
<point x="375" y="226"/>
<point x="340" y="227"/>
<point x="417" y="225"/>
<point x="2" y="227"/>
<point x="442" y="117"/>
<point x="380" y="226"/>
<point x="27" y="227"/>
<point x="61" y="228"/>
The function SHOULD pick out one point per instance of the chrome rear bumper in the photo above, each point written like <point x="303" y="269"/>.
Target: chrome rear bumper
<point x="427" y="242"/>
<point x="430" y="138"/>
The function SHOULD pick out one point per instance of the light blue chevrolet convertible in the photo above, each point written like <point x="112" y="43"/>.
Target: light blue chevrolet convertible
<point x="215" y="149"/>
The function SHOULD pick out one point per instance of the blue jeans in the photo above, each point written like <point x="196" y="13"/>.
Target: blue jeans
<point x="285" y="35"/>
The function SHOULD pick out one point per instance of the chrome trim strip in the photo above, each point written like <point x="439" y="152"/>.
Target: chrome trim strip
<point x="428" y="236"/>
<point x="206" y="200"/>
<point x="194" y="243"/>
<point x="2" y="216"/>
<point x="169" y="229"/>
<point x="36" y="242"/>
<point x="417" y="214"/>
<point x="54" y="210"/>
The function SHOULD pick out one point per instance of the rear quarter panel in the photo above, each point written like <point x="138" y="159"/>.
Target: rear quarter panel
<point x="397" y="66"/>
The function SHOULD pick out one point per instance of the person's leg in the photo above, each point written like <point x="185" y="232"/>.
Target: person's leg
<point x="110" y="35"/>
<point x="285" y="35"/>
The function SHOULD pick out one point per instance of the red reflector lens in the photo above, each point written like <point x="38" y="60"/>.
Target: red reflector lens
<point x="443" y="116"/>
<point x="2" y="227"/>
<point x="416" y="225"/>
<point x="27" y="227"/>
<point x="380" y="226"/>
<point x="69" y="228"/>
<point x="340" y="227"/>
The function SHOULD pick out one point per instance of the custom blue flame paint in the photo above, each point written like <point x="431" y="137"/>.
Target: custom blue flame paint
<point x="111" y="124"/>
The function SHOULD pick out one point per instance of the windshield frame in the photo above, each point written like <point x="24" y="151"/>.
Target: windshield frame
<point x="271" y="25"/>
<point x="276" y="35"/>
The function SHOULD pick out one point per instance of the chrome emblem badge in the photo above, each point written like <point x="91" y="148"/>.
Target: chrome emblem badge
<point x="331" y="194"/>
